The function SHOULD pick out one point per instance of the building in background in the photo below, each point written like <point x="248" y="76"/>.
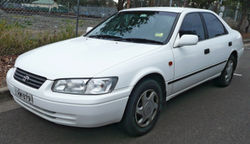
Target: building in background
<point x="49" y="4"/>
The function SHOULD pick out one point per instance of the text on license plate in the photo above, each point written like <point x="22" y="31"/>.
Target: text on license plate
<point x="26" y="97"/>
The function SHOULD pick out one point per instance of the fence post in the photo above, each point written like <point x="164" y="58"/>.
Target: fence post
<point x="170" y="3"/>
<point x="77" y="18"/>
<point x="237" y="11"/>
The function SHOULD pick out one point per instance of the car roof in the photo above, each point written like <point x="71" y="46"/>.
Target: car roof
<point x="167" y="9"/>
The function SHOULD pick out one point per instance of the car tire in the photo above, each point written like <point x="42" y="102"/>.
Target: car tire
<point x="227" y="74"/>
<point x="143" y="108"/>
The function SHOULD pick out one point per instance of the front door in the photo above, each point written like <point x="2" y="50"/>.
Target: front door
<point x="190" y="60"/>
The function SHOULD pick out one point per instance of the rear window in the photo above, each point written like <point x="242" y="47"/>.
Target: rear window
<point x="214" y="26"/>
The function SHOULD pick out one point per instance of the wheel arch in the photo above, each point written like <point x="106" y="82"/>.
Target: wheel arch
<point x="156" y="75"/>
<point x="235" y="54"/>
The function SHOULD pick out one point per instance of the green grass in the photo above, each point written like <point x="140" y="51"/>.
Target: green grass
<point x="15" y="39"/>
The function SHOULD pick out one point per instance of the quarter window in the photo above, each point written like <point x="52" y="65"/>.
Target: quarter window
<point x="214" y="26"/>
<point x="192" y="24"/>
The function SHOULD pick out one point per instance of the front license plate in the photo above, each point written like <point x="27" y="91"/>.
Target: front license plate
<point x="24" y="96"/>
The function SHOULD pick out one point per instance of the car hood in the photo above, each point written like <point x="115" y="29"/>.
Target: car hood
<point x="79" y="57"/>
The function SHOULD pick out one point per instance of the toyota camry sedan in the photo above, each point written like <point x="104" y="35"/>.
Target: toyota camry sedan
<point x="123" y="70"/>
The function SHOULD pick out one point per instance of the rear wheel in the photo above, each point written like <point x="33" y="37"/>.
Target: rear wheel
<point x="143" y="108"/>
<point x="227" y="74"/>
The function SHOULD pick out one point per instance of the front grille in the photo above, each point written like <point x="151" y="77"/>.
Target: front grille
<point x="29" y="79"/>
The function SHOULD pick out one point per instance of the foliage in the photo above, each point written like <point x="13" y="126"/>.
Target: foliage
<point x="86" y="2"/>
<point x="14" y="39"/>
<point x="120" y="4"/>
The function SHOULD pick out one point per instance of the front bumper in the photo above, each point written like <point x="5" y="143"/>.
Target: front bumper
<point x="72" y="110"/>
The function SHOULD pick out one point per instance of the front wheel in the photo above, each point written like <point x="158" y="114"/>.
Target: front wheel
<point x="143" y="108"/>
<point x="227" y="74"/>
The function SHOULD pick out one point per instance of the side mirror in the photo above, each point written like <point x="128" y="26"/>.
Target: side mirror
<point x="89" y="29"/>
<point x="186" y="40"/>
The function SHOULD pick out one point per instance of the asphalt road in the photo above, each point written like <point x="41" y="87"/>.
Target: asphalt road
<point x="203" y="115"/>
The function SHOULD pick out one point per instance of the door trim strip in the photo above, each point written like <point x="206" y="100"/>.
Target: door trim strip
<point x="171" y="82"/>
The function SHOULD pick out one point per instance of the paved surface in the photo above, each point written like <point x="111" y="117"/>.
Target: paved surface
<point x="204" y="115"/>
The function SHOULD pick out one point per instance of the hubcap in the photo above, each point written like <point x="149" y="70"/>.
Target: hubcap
<point x="146" y="108"/>
<point x="229" y="70"/>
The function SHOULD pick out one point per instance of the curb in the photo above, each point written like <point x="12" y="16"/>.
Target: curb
<point x="247" y="45"/>
<point x="3" y="90"/>
<point x="246" y="40"/>
<point x="4" y="93"/>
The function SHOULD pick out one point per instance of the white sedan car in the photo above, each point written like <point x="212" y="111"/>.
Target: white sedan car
<point x="126" y="67"/>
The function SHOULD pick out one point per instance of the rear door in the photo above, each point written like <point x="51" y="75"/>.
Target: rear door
<point x="218" y="42"/>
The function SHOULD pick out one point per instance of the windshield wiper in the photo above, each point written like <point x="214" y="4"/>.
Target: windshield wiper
<point x="138" y="40"/>
<point x="141" y="40"/>
<point x="105" y="37"/>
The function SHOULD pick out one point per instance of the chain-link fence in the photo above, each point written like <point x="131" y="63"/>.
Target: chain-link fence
<point x="68" y="9"/>
<point x="26" y="24"/>
<point x="59" y="7"/>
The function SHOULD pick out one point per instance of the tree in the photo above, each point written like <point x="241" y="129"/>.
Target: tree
<point x="245" y="5"/>
<point x="120" y="4"/>
<point x="152" y="3"/>
<point x="200" y="3"/>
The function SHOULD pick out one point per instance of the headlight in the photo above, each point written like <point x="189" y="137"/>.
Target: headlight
<point x="101" y="86"/>
<point x="71" y="86"/>
<point x="85" y="86"/>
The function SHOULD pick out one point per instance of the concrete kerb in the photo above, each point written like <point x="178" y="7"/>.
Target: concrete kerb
<point x="4" y="93"/>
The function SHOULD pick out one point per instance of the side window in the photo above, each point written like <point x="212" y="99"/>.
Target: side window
<point x="192" y="24"/>
<point x="214" y="26"/>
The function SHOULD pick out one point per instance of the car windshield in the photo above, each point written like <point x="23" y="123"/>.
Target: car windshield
<point x="136" y="26"/>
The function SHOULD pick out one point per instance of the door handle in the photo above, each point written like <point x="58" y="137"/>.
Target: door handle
<point x="230" y="43"/>
<point x="206" y="51"/>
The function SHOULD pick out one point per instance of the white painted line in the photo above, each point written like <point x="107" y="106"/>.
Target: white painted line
<point x="236" y="74"/>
